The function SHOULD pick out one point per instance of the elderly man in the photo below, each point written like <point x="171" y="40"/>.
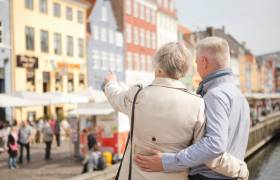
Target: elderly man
<point x="227" y="114"/>
<point x="164" y="115"/>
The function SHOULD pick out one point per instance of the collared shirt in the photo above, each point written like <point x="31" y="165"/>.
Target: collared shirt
<point x="227" y="130"/>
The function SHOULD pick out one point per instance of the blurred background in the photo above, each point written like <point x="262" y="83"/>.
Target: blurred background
<point x="54" y="55"/>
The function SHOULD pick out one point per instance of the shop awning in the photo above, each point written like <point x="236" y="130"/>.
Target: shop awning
<point x="11" y="101"/>
<point x="93" y="109"/>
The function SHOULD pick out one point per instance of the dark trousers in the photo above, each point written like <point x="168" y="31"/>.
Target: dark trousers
<point x="27" y="147"/>
<point x="48" y="150"/>
<point x="200" y="177"/>
<point x="57" y="137"/>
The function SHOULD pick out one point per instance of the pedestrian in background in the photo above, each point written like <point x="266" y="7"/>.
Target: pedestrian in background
<point x="84" y="143"/>
<point x="57" y="132"/>
<point x="24" y="140"/>
<point x="91" y="139"/>
<point x="12" y="147"/>
<point x="47" y="136"/>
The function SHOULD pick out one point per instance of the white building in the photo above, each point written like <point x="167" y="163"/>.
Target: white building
<point x="167" y="25"/>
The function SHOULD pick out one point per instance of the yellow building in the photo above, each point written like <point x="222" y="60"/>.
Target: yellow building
<point x="250" y="76"/>
<point x="49" y="49"/>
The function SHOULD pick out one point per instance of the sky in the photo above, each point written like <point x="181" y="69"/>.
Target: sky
<point x="256" y="22"/>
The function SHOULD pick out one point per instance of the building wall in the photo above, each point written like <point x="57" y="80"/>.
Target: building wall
<point x="5" y="54"/>
<point x="138" y="22"/>
<point x="58" y="66"/>
<point x="167" y="25"/>
<point x="105" y="40"/>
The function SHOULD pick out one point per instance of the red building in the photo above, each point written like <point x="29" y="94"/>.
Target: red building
<point x="137" y="20"/>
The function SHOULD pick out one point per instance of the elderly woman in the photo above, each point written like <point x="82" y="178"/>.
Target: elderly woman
<point x="167" y="117"/>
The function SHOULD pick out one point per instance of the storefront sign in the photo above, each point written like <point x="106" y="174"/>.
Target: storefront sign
<point x="27" y="61"/>
<point x="68" y="66"/>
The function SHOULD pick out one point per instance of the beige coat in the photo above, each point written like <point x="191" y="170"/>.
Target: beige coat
<point x="166" y="119"/>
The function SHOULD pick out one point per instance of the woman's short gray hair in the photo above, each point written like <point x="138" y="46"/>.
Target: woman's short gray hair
<point x="174" y="59"/>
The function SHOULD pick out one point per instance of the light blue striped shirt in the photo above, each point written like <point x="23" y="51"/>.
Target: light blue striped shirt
<point x="227" y="130"/>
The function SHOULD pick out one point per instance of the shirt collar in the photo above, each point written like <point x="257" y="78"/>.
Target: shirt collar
<point x="218" y="80"/>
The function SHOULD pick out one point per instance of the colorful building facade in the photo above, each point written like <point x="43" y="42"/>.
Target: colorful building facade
<point x="49" y="50"/>
<point x="105" y="44"/>
<point x="167" y="22"/>
<point x="5" y="54"/>
<point x="137" y="20"/>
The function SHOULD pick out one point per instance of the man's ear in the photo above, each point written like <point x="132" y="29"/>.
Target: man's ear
<point x="205" y="62"/>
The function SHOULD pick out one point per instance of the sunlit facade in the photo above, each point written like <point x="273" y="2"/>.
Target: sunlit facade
<point x="49" y="49"/>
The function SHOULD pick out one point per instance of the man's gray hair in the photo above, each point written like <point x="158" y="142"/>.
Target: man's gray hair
<point x="174" y="59"/>
<point x="216" y="50"/>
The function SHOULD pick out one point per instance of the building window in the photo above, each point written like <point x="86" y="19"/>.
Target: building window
<point x="153" y="40"/>
<point x="104" y="13"/>
<point x="96" y="59"/>
<point x="128" y="6"/>
<point x="129" y="61"/>
<point x="111" y="37"/>
<point x="135" y="9"/>
<point x="148" y="14"/>
<point x="81" y="47"/>
<point x="136" y="61"/>
<point x="103" y="34"/>
<point x="153" y="16"/>
<point x="128" y="33"/>
<point x="136" y="36"/>
<point x="58" y="82"/>
<point x="1" y="32"/>
<point x="30" y="80"/>
<point x="44" y="41"/>
<point x="142" y="61"/>
<point x="119" y="63"/>
<point x="142" y="12"/>
<point x="56" y="10"/>
<point x="95" y="32"/>
<point x="43" y="6"/>
<point x="142" y="36"/>
<point x="112" y="62"/>
<point x="119" y="39"/>
<point x="69" y="13"/>
<point x="57" y="44"/>
<point x="81" y="81"/>
<point x="28" y="4"/>
<point x="29" y="38"/>
<point x="70" y="45"/>
<point x="104" y="60"/>
<point x="80" y="17"/>
<point x="70" y="82"/>
<point x="148" y="38"/>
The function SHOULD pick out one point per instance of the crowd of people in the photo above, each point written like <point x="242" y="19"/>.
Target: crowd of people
<point x="16" y="138"/>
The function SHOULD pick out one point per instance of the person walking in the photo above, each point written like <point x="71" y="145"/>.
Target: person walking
<point x="47" y="137"/>
<point x="57" y="132"/>
<point x="24" y="140"/>
<point x="12" y="147"/>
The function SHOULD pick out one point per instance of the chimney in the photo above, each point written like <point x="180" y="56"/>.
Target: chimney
<point x="210" y="31"/>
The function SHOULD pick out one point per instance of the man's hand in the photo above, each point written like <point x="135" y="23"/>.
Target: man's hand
<point x="151" y="163"/>
<point x="110" y="77"/>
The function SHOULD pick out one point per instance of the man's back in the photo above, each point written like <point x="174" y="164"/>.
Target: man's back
<point x="222" y="90"/>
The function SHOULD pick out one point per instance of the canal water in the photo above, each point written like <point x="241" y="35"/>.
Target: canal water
<point x="265" y="164"/>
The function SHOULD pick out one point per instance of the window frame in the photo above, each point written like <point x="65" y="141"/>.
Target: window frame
<point x="31" y="31"/>
<point x="44" y="43"/>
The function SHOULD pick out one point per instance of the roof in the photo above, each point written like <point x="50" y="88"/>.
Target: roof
<point x="184" y="29"/>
